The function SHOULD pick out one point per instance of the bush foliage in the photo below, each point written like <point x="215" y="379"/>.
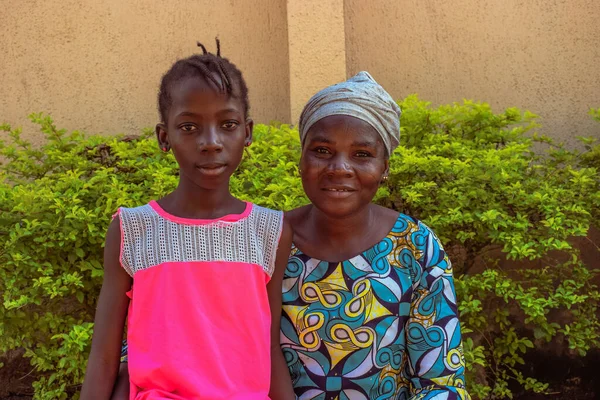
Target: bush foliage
<point x="469" y="173"/>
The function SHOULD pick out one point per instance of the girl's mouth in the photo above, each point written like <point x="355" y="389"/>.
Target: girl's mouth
<point x="212" y="169"/>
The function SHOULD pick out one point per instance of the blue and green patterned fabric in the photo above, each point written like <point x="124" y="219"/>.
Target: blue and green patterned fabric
<point x="381" y="325"/>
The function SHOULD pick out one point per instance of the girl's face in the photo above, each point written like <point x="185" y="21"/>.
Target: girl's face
<point x="207" y="132"/>
<point x="343" y="162"/>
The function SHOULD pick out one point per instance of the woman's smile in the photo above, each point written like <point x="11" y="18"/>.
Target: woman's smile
<point x="338" y="191"/>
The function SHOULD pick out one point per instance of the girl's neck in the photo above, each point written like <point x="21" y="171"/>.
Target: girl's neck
<point x="191" y="201"/>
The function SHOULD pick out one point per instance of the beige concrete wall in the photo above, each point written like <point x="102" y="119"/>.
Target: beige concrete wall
<point x="542" y="55"/>
<point x="316" y="47"/>
<point x="96" y="65"/>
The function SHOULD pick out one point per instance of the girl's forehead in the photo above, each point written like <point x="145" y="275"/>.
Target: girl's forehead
<point x="195" y="92"/>
<point x="192" y="86"/>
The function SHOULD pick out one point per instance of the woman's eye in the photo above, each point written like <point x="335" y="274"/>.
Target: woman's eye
<point x="322" y="150"/>
<point x="363" y="154"/>
<point x="187" y="127"/>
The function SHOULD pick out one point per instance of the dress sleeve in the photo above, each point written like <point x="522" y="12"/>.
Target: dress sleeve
<point x="435" y="364"/>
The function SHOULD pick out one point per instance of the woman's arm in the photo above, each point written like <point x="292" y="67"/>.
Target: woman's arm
<point x="109" y="322"/>
<point x="281" y="383"/>
<point x="434" y="346"/>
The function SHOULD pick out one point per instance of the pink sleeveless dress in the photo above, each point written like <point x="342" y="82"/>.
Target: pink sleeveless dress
<point x="199" y="319"/>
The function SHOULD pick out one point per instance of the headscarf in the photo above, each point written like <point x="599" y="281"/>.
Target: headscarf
<point x="360" y="97"/>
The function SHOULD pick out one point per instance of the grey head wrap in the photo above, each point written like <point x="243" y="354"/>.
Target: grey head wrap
<point x="360" y="97"/>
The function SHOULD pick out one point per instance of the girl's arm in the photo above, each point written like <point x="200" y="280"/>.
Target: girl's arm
<point x="109" y="323"/>
<point x="281" y="383"/>
<point x="121" y="390"/>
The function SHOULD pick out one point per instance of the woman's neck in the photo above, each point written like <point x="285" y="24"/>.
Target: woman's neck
<point x="342" y="230"/>
<point x="337" y="239"/>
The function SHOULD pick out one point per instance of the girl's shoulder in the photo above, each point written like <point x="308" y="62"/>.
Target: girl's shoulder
<point x="153" y="210"/>
<point x="256" y="209"/>
<point x="134" y="210"/>
<point x="125" y="215"/>
<point x="267" y="221"/>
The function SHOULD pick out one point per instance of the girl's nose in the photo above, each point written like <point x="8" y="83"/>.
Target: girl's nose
<point x="210" y="141"/>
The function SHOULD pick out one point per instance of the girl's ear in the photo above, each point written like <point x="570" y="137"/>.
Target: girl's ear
<point x="162" y="137"/>
<point x="249" y="129"/>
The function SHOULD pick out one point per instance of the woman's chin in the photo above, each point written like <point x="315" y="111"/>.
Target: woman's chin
<point x="339" y="208"/>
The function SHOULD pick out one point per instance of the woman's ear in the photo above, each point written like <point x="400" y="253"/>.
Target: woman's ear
<point x="162" y="137"/>
<point x="386" y="172"/>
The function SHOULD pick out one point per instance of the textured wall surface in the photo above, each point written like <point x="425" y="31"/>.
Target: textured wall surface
<point x="96" y="65"/>
<point x="541" y="55"/>
<point x="316" y="48"/>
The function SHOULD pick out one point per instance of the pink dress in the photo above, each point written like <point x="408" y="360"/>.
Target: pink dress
<point x="199" y="320"/>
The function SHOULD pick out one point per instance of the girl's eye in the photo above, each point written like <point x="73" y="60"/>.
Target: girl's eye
<point x="188" y="127"/>
<point x="230" y="125"/>
<point x="321" y="150"/>
<point x="363" y="154"/>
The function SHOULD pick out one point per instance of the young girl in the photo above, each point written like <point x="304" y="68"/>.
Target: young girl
<point x="198" y="273"/>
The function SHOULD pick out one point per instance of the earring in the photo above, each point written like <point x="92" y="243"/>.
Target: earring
<point x="248" y="144"/>
<point x="165" y="148"/>
<point x="300" y="171"/>
<point x="384" y="178"/>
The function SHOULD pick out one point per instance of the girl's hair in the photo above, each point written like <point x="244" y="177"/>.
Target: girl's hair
<point x="204" y="66"/>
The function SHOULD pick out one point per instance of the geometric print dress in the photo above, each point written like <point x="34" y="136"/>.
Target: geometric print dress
<point x="381" y="325"/>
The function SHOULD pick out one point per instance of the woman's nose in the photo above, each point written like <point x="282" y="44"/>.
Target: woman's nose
<point x="339" y="165"/>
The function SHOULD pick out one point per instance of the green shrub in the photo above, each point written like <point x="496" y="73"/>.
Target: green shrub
<point x="467" y="172"/>
<point x="473" y="176"/>
<point x="55" y="205"/>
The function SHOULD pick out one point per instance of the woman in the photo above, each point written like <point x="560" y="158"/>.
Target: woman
<point x="369" y="307"/>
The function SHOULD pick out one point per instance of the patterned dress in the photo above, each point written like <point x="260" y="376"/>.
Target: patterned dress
<point x="381" y="325"/>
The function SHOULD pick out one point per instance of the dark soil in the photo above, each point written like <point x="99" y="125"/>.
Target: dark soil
<point x="570" y="377"/>
<point x="16" y="377"/>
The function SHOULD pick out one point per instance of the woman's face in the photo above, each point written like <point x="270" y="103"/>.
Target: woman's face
<point x="343" y="161"/>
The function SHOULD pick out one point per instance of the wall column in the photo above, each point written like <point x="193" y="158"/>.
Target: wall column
<point x="317" y="48"/>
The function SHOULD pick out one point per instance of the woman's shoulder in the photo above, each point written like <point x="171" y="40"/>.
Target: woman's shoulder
<point x="409" y="225"/>
<point x="419" y="237"/>
<point x="387" y="214"/>
<point x="297" y="214"/>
